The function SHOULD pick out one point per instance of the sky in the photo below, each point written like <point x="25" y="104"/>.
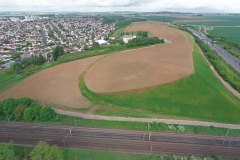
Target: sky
<point x="195" y="6"/>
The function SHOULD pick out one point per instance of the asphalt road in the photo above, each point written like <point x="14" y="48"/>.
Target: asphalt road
<point x="43" y="35"/>
<point x="122" y="140"/>
<point x="226" y="56"/>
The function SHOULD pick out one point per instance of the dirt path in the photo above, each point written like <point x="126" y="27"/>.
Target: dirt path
<point x="167" y="121"/>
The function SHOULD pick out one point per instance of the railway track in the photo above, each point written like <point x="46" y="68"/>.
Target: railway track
<point x="122" y="140"/>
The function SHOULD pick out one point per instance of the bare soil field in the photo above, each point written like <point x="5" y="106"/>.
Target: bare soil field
<point x="200" y="20"/>
<point x="143" y="68"/>
<point x="58" y="85"/>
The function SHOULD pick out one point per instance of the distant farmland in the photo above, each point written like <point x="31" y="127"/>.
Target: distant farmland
<point x="231" y="33"/>
<point x="225" y="21"/>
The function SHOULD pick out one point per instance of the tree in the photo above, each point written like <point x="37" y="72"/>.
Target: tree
<point x="8" y="106"/>
<point x="46" y="113"/>
<point x="44" y="151"/>
<point x="28" y="114"/>
<point x="36" y="112"/>
<point x="24" y="62"/>
<point x="1" y="110"/>
<point x="7" y="152"/>
<point x="19" y="111"/>
<point x="96" y="45"/>
<point x="28" y="44"/>
<point x="15" y="65"/>
<point x="86" y="47"/>
<point x="55" y="53"/>
<point x="218" y="157"/>
<point x="18" y="70"/>
<point x="40" y="60"/>
<point x="9" y="71"/>
<point x="5" y="41"/>
<point x="31" y="60"/>
<point x="61" y="50"/>
<point x="24" y="101"/>
<point x="1" y="62"/>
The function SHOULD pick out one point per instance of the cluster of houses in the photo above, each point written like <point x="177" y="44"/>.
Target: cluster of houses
<point x="74" y="33"/>
<point x="34" y="36"/>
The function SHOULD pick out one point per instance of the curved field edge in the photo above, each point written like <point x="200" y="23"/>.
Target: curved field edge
<point x="200" y="96"/>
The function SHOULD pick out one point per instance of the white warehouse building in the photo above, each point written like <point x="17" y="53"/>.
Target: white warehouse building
<point x="102" y="42"/>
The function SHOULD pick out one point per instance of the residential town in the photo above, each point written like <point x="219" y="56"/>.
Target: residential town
<point x="33" y="36"/>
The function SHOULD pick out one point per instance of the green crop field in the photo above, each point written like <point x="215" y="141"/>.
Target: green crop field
<point x="200" y="96"/>
<point x="231" y="33"/>
<point x="227" y="21"/>
<point x="163" y="18"/>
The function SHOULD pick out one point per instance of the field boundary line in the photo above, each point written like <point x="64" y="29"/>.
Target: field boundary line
<point x="167" y="121"/>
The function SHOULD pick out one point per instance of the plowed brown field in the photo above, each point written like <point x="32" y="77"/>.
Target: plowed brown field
<point x="57" y="85"/>
<point x="144" y="68"/>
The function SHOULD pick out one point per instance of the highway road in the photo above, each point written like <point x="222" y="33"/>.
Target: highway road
<point x="226" y="56"/>
<point x="122" y="140"/>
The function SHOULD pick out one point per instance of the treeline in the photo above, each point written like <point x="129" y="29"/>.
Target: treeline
<point x="159" y="18"/>
<point x="228" y="44"/>
<point x="25" y="62"/>
<point x="58" y="32"/>
<point x="125" y="23"/>
<point x="221" y="66"/>
<point x="112" y="19"/>
<point x="41" y="151"/>
<point x="58" y="51"/>
<point x="142" y="33"/>
<point x="24" y="109"/>
<point x="143" y="41"/>
<point x="60" y="26"/>
<point x="51" y="35"/>
<point x="224" y="40"/>
<point x="126" y="33"/>
<point x="139" y="33"/>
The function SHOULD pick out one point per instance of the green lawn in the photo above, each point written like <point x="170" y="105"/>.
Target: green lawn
<point x="200" y="96"/>
<point x="4" y="77"/>
<point x="231" y="33"/>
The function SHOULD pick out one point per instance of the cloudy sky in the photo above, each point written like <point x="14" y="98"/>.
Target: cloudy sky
<point x="197" y="6"/>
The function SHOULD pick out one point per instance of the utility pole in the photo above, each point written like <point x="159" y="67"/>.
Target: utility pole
<point x="8" y="119"/>
<point x="75" y="123"/>
<point x="223" y="142"/>
<point x="227" y="132"/>
<point x="64" y="142"/>
<point x="70" y="131"/>
<point x="229" y="143"/>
